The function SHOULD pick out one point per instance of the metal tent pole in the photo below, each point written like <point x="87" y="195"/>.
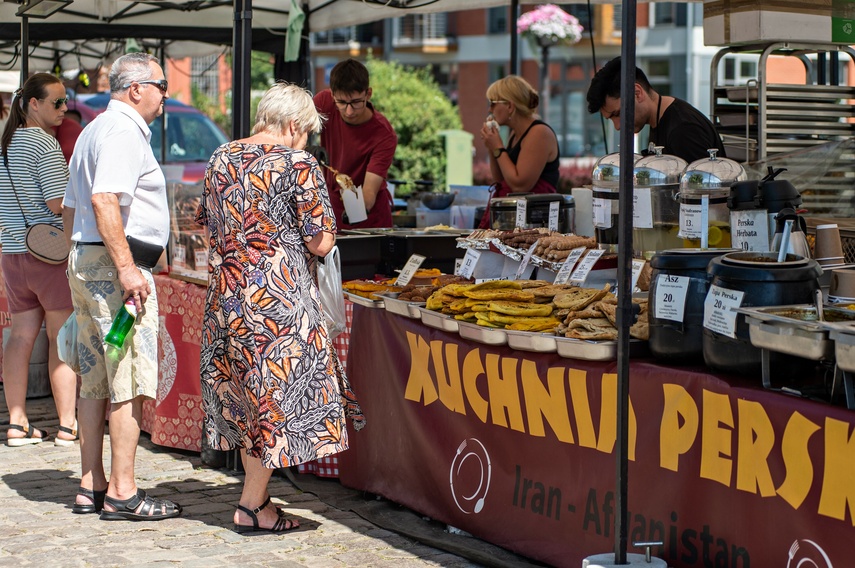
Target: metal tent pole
<point x="241" y="67"/>
<point x="515" y="39"/>
<point x="25" y="49"/>
<point x="624" y="272"/>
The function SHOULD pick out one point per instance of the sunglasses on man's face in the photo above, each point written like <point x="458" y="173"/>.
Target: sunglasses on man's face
<point x="161" y="84"/>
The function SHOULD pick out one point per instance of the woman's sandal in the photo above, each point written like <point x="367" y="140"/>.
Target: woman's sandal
<point x="67" y="443"/>
<point x="140" y="507"/>
<point x="97" y="498"/>
<point x="29" y="437"/>
<point x="282" y="524"/>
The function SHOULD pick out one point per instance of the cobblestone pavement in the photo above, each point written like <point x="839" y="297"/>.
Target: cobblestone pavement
<point x="37" y="528"/>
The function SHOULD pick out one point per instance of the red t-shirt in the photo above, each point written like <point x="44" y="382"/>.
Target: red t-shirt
<point x="355" y="150"/>
<point x="66" y="135"/>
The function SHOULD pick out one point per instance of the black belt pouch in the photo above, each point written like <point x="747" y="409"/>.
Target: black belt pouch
<point x="145" y="254"/>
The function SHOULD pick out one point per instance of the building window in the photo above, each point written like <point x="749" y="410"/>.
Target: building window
<point x="418" y="28"/>
<point x="497" y="20"/>
<point x="206" y="75"/>
<point x="659" y="74"/>
<point x="669" y="14"/>
<point x="581" y="13"/>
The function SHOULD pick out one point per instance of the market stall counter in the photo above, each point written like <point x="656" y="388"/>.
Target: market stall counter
<point x="517" y="448"/>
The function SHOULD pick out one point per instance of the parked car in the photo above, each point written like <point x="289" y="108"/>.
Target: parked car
<point x="190" y="134"/>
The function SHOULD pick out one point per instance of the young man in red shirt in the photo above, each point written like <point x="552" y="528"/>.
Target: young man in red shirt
<point x="360" y="143"/>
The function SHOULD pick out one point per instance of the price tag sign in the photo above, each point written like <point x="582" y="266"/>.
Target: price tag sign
<point x="671" y="297"/>
<point x="467" y="265"/>
<point x="200" y="259"/>
<point x="602" y="210"/>
<point x="567" y="268"/>
<point x="554" y="208"/>
<point x="526" y="259"/>
<point x="179" y="256"/>
<point x="585" y="266"/>
<point x="642" y="208"/>
<point x="637" y="266"/>
<point x="720" y="310"/>
<point x="690" y="221"/>
<point x="458" y="262"/>
<point x="521" y="213"/>
<point x="750" y="230"/>
<point x="409" y="270"/>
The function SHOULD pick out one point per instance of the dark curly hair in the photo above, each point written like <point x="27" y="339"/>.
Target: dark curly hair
<point x="606" y="83"/>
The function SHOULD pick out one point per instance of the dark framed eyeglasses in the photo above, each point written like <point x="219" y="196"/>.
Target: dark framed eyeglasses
<point x="161" y="84"/>
<point x="57" y="104"/>
<point x="355" y="104"/>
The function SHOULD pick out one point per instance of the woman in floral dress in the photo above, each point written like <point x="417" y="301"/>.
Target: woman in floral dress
<point x="271" y="381"/>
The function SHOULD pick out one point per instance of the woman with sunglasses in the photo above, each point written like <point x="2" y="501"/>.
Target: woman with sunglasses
<point x="528" y="162"/>
<point x="33" y="175"/>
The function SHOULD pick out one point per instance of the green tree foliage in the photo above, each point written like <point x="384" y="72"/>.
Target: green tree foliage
<point x="418" y="110"/>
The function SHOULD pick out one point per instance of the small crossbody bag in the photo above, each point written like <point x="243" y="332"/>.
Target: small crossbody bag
<point x="44" y="241"/>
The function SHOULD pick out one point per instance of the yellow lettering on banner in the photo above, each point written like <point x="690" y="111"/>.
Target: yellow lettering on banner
<point x="756" y="437"/>
<point x="717" y="442"/>
<point x="546" y="402"/>
<point x="676" y="439"/>
<point x="608" y="419"/>
<point x="472" y="369"/>
<point x="797" y="463"/>
<point x="582" y="408"/>
<point x="420" y="385"/>
<point x="450" y="389"/>
<point x="838" y="480"/>
<point x="504" y="392"/>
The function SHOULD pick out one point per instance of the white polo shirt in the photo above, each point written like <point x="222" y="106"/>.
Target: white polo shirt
<point x="113" y="155"/>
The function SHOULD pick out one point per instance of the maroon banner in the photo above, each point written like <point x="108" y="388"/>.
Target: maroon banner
<point x="517" y="448"/>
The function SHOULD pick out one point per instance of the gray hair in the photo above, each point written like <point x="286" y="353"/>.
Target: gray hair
<point x="128" y="68"/>
<point x="283" y="103"/>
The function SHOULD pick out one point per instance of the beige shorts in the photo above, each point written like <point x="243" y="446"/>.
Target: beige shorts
<point x="106" y="372"/>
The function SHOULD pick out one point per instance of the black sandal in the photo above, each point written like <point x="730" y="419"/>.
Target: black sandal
<point x="140" y="507"/>
<point x="67" y="442"/>
<point x="29" y="437"/>
<point x="97" y="498"/>
<point x="282" y="524"/>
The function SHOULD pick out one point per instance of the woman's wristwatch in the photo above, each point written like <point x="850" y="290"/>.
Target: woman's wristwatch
<point x="498" y="152"/>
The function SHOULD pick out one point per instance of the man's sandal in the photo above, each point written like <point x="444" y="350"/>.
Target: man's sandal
<point x="29" y="437"/>
<point x="97" y="498"/>
<point x="140" y="507"/>
<point x="281" y="525"/>
<point x="67" y="443"/>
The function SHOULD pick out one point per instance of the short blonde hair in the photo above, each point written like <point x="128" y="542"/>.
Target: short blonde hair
<point x="283" y="103"/>
<point x="517" y="90"/>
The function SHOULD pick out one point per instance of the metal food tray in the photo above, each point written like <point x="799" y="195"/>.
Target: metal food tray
<point x="586" y="350"/>
<point x="778" y="315"/>
<point x="362" y="301"/>
<point x="531" y="341"/>
<point x="481" y="334"/>
<point x="844" y="348"/>
<point x="808" y="343"/>
<point x="439" y="320"/>
<point x="401" y="307"/>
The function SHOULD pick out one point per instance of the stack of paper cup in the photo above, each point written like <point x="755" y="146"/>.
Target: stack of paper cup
<point x="828" y="248"/>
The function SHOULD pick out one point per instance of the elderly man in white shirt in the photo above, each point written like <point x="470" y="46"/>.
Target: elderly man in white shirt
<point x="116" y="203"/>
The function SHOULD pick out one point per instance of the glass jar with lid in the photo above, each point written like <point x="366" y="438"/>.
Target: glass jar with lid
<point x="704" y="189"/>
<point x="656" y="210"/>
<point x="605" y="186"/>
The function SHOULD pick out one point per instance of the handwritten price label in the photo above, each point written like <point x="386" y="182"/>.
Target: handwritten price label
<point x="413" y="264"/>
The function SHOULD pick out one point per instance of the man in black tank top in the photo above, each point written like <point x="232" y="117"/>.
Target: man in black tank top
<point x="674" y="123"/>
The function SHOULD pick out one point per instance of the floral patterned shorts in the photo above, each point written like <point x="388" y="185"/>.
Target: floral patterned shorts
<point x="105" y="371"/>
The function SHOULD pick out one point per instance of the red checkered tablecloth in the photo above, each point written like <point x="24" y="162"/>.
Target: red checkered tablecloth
<point x="328" y="467"/>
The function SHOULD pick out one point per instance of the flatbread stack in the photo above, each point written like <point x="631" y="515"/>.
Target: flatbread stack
<point x="598" y="321"/>
<point x="370" y="288"/>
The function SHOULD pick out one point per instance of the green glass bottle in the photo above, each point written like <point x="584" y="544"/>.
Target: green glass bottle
<point x="122" y="324"/>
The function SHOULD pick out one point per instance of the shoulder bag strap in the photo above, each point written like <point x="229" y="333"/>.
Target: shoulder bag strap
<point x="14" y="190"/>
